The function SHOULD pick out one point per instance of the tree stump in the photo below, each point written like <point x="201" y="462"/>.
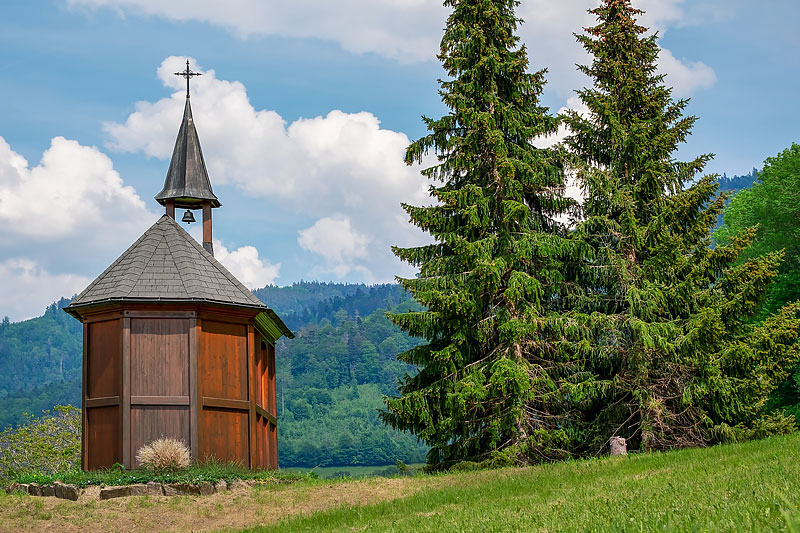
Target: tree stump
<point x="618" y="446"/>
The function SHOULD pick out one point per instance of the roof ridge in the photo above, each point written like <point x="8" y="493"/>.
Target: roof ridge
<point x="247" y="293"/>
<point x="118" y="260"/>
<point x="155" y="248"/>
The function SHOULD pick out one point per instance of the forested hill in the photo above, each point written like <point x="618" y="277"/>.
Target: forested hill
<point x="330" y="377"/>
<point x="737" y="183"/>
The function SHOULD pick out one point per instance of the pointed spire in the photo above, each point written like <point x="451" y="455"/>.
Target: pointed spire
<point x="187" y="180"/>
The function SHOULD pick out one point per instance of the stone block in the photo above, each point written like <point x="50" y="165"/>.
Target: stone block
<point x="618" y="446"/>
<point x="34" y="489"/>
<point x="178" y="489"/>
<point x="66" y="492"/>
<point x="17" y="487"/>
<point x="106" y="493"/>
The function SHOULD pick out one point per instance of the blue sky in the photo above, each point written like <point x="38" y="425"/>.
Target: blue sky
<point x="303" y="113"/>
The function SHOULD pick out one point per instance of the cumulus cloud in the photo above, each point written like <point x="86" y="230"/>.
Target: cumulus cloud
<point x="405" y="30"/>
<point x="410" y="30"/>
<point x="335" y="239"/>
<point x="684" y="76"/>
<point x="27" y="287"/>
<point x="324" y="167"/>
<point x="73" y="189"/>
<point x="68" y="215"/>
<point x="244" y="263"/>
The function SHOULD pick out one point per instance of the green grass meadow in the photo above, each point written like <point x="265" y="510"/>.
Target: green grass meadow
<point x="747" y="487"/>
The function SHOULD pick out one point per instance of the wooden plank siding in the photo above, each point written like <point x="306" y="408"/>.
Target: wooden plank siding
<point x="159" y="381"/>
<point x="222" y="370"/>
<point x="201" y="374"/>
<point x="102" y="391"/>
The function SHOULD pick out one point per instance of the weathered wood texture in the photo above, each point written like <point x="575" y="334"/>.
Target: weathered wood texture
<point x="222" y="380"/>
<point x="266" y="407"/>
<point x="104" y="371"/>
<point x="159" y="381"/>
<point x="103" y="432"/>
<point x="103" y="437"/>
<point x="159" y="357"/>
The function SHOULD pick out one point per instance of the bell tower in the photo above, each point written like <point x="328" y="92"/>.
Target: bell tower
<point x="173" y="344"/>
<point x="187" y="185"/>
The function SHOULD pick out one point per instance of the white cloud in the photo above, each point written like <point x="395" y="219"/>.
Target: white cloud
<point x="326" y="167"/>
<point x="27" y="288"/>
<point x="410" y="30"/>
<point x="405" y="30"/>
<point x="246" y="265"/>
<point x="244" y="262"/>
<point x="68" y="215"/>
<point x="335" y="239"/>
<point x="685" y="77"/>
<point x="74" y="189"/>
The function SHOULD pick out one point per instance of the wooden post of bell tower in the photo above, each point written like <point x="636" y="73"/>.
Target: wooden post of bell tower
<point x="208" y="243"/>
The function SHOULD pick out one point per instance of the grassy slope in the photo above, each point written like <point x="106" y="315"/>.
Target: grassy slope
<point x="750" y="487"/>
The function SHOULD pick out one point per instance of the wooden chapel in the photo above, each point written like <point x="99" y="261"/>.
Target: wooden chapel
<point x="173" y="344"/>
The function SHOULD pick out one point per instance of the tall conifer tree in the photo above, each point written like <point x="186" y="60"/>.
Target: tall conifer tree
<point x="675" y="361"/>
<point x="492" y="281"/>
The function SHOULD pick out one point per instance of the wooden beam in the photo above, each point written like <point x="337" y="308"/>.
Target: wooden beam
<point x="160" y="314"/>
<point x="252" y="355"/>
<point x="105" y="401"/>
<point x="102" y="317"/>
<point x="159" y="400"/>
<point x="273" y="405"/>
<point x="126" y="393"/>
<point x="194" y="389"/>
<point x="261" y="411"/>
<point x="83" y="396"/>
<point x="207" y="240"/>
<point x="226" y="403"/>
<point x="170" y="205"/>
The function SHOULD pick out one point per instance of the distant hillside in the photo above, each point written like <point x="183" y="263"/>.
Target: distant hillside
<point x="330" y="378"/>
<point x="737" y="183"/>
<point x="40" y="364"/>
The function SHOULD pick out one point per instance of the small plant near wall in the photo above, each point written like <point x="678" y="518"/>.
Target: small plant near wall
<point x="164" y="455"/>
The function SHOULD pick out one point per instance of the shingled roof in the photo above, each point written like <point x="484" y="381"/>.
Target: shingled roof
<point x="166" y="264"/>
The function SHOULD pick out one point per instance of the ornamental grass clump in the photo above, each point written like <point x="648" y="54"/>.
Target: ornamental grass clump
<point x="164" y="455"/>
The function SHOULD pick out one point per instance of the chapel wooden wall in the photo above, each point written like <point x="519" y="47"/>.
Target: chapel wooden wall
<point x="204" y="377"/>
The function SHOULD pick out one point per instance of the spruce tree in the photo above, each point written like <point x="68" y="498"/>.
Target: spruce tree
<point x="675" y="360"/>
<point x="492" y="281"/>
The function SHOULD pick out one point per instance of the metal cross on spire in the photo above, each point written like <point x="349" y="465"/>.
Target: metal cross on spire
<point x="188" y="74"/>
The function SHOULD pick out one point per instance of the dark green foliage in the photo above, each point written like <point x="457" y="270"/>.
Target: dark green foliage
<point x="40" y="364"/>
<point x="672" y="358"/>
<point x="773" y="206"/>
<point x="730" y="186"/>
<point x="311" y="301"/>
<point x="330" y="381"/>
<point x="492" y="281"/>
<point x="44" y="445"/>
